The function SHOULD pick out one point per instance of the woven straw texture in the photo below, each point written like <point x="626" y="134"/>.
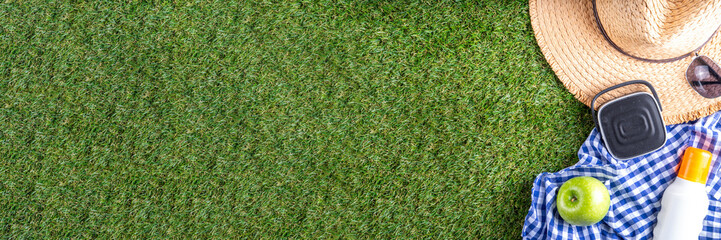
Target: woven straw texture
<point x="586" y="63"/>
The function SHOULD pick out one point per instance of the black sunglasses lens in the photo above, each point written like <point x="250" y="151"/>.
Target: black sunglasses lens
<point x="703" y="75"/>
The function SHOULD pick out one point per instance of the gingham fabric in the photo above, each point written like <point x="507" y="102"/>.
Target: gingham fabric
<point x="636" y="186"/>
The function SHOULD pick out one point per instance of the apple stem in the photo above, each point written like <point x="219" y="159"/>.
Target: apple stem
<point x="573" y="199"/>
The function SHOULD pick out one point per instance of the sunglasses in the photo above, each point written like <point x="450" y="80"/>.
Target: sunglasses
<point x="703" y="76"/>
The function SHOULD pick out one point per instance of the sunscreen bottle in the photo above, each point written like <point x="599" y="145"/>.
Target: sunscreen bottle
<point x="685" y="202"/>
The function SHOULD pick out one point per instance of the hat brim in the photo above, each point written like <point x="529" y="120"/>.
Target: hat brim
<point x="569" y="38"/>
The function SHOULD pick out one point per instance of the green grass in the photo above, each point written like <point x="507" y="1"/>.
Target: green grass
<point x="276" y="119"/>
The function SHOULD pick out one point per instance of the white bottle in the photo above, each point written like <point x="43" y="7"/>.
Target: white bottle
<point x="685" y="202"/>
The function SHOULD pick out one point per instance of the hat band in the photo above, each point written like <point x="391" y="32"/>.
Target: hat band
<point x="608" y="39"/>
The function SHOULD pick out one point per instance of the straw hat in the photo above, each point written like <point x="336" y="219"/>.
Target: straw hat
<point x="652" y="40"/>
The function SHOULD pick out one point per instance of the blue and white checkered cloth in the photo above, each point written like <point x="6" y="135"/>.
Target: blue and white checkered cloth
<point x="636" y="186"/>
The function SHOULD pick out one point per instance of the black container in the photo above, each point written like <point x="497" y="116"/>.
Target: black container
<point x="631" y="125"/>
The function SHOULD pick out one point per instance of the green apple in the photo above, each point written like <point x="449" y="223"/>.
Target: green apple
<point x="583" y="201"/>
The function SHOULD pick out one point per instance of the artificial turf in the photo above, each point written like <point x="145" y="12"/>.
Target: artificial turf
<point x="276" y="119"/>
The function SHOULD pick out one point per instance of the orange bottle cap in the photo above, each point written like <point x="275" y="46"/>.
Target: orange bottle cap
<point x="695" y="164"/>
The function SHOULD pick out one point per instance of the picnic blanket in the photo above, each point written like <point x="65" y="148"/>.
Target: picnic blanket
<point x="636" y="186"/>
